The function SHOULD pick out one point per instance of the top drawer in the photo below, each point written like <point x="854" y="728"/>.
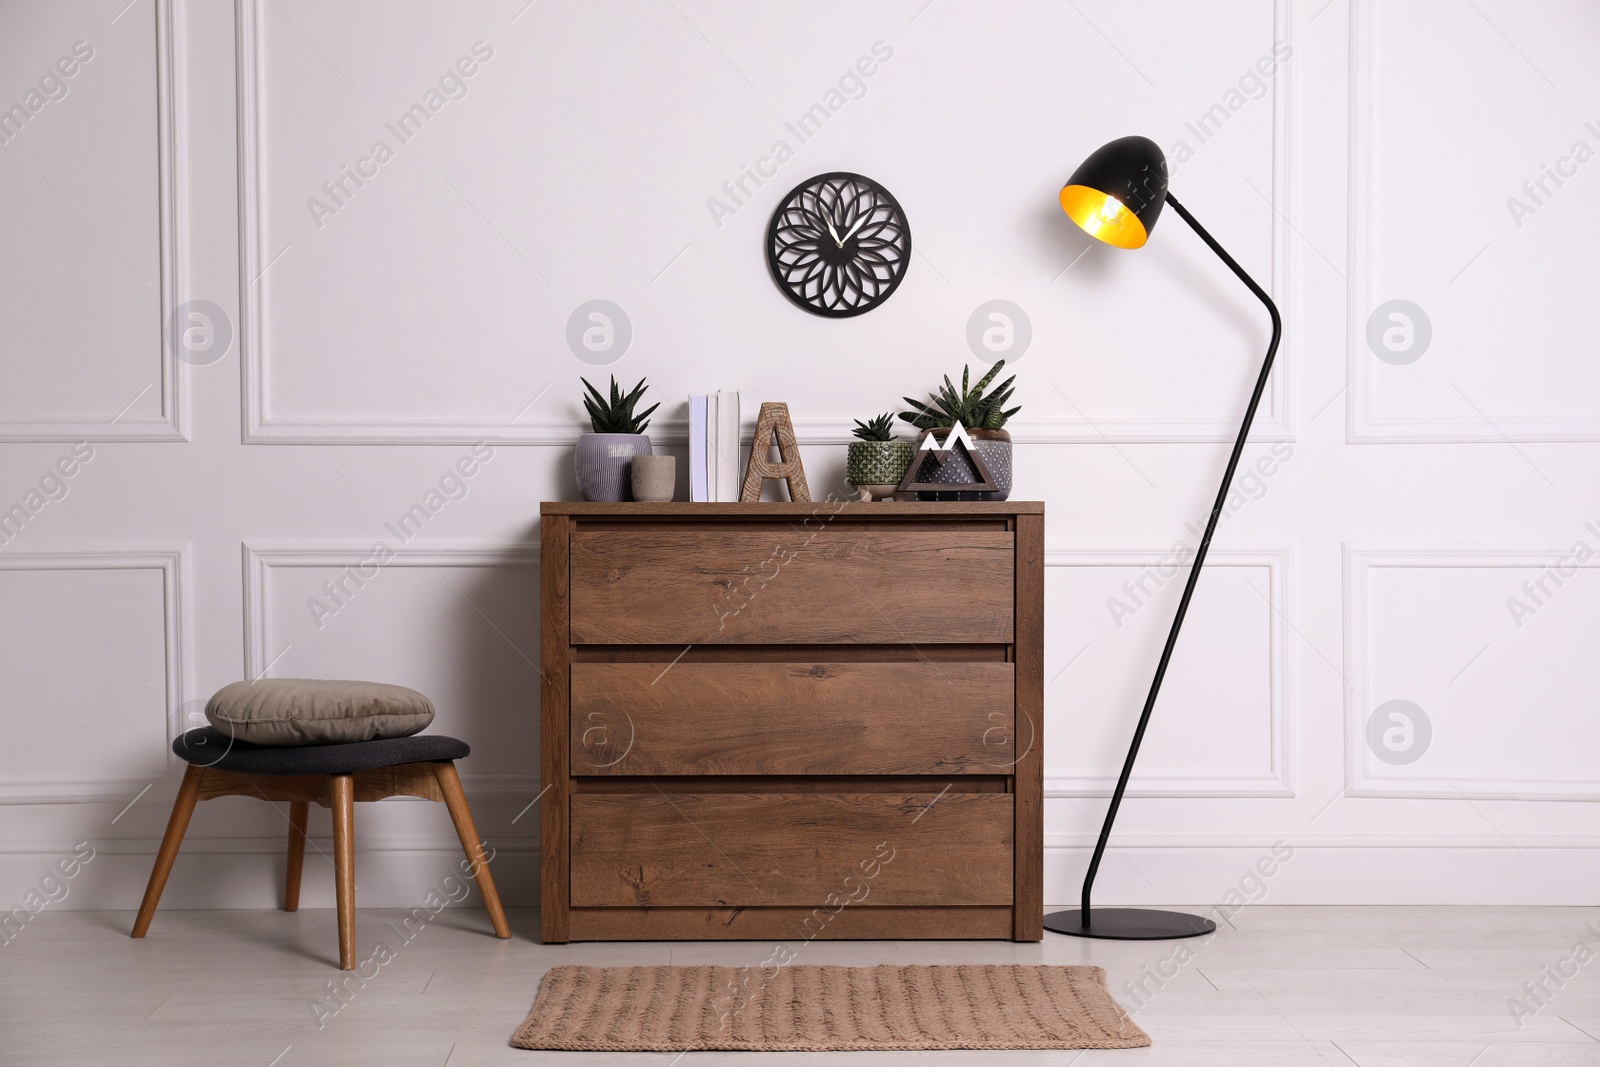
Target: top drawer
<point x="817" y="582"/>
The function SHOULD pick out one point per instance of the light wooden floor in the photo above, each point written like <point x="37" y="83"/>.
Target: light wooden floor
<point x="1282" y="986"/>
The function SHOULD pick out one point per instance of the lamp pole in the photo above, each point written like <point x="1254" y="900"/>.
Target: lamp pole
<point x="1140" y="924"/>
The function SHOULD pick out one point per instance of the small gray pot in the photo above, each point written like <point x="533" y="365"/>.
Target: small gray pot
<point x="603" y="462"/>
<point x="655" y="478"/>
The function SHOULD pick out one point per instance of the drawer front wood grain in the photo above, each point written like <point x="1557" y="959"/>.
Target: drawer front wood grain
<point x="816" y="851"/>
<point x="792" y="718"/>
<point x="814" y="582"/>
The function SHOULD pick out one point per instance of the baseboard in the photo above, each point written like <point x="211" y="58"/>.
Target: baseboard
<point x="248" y="873"/>
<point x="252" y="878"/>
<point x="1312" y="872"/>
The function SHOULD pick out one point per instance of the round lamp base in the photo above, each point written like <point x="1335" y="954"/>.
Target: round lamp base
<point x="1128" y="924"/>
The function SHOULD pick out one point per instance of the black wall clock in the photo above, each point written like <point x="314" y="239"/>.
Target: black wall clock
<point x="838" y="244"/>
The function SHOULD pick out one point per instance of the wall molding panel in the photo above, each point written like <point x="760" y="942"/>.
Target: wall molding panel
<point x="178" y="660"/>
<point x="265" y="423"/>
<point x="1274" y="780"/>
<point x="260" y="558"/>
<point x="1362" y="425"/>
<point x="1360" y="561"/>
<point x="172" y="383"/>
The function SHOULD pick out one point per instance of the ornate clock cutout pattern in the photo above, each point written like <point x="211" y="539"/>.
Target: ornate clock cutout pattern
<point x="838" y="244"/>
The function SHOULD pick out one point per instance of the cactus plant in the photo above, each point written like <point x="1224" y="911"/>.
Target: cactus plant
<point x="616" y="415"/>
<point x="969" y="405"/>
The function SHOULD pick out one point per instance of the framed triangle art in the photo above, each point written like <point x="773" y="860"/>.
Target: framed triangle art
<point x="931" y="448"/>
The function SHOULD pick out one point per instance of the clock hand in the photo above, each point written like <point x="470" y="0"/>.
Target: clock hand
<point x="853" y="229"/>
<point x="833" y="233"/>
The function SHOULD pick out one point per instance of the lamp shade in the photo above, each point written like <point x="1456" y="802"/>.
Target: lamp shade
<point x="1116" y="194"/>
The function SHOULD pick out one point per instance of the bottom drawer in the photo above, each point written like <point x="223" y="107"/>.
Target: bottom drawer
<point x="664" y="849"/>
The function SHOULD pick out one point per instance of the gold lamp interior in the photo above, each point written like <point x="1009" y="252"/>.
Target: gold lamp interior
<point x="1103" y="216"/>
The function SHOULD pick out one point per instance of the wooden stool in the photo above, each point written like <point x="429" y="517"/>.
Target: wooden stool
<point x="335" y="776"/>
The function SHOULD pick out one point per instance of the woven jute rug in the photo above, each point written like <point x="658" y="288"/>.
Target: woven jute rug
<point x="825" y="1009"/>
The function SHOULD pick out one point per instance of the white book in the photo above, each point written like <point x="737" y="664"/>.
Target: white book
<point x="728" y="446"/>
<point x="697" y="448"/>
<point x="713" y="446"/>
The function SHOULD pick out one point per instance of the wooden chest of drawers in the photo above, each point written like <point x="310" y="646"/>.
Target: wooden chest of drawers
<point x="785" y="721"/>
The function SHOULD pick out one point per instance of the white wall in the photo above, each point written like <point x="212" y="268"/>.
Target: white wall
<point x="372" y="346"/>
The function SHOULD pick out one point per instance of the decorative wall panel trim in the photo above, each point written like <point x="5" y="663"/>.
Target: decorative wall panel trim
<point x="1360" y="560"/>
<point x="173" y="232"/>
<point x="482" y="788"/>
<point x="98" y="791"/>
<point x="260" y="558"/>
<point x="265" y="423"/>
<point x="445" y="843"/>
<point x="1488" y="840"/>
<point x="1276" y="780"/>
<point x="1362" y="426"/>
<point x="195" y="844"/>
<point x="178" y="660"/>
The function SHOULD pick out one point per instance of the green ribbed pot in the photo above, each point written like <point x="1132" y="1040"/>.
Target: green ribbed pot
<point x="878" y="462"/>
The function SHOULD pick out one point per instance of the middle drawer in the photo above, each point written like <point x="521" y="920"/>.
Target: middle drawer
<point x="793" y="718"/>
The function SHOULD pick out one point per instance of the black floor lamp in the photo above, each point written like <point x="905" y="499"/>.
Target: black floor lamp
<point x="1116" y="196"/>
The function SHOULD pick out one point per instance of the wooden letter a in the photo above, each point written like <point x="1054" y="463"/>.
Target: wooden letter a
<point x="774" y="418"/>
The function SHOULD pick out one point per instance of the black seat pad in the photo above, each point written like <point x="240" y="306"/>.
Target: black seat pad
<point x="206" y="746"/>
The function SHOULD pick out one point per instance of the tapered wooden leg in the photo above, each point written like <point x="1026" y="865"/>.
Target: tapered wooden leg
<point x="298" y="812"/>
<point x="461" y="815"/>
<point x="177" y="825"/>
<point x="344" y="866"/>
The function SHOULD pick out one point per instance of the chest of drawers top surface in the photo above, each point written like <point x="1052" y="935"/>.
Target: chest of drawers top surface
<point x="886" y="509"/>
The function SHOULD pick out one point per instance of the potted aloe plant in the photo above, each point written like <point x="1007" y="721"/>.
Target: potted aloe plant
<point x="604" y="456"/>
<point x="876" y="462"/>
<point x="984" y="414"/>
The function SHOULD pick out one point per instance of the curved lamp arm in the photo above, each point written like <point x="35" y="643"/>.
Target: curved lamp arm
<point x="1200" y="554"/>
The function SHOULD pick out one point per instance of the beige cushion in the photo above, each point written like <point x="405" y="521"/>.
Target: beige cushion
<point x="312" y="711"/>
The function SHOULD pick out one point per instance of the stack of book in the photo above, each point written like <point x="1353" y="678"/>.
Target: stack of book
<point x="714" y="446"/>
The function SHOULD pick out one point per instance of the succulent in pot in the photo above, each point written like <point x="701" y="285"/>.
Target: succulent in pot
<point x="604" y="458"/>
<point x="876" y="462"/>
<point x="984" y="414"/>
